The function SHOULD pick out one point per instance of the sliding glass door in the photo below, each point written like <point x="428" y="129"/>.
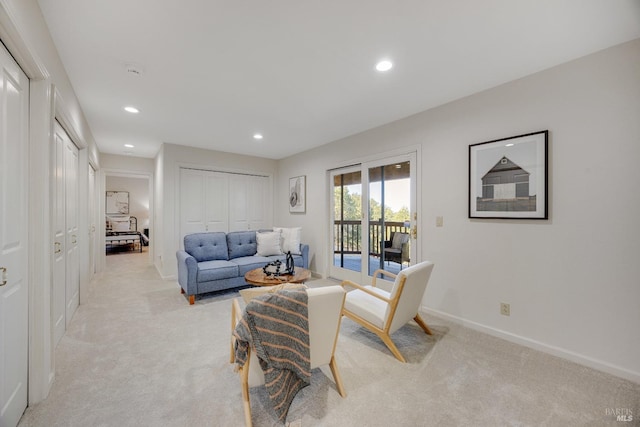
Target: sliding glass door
<point x="347" y="223"/>
<point x="374" y="217"/>
<point x="390" y="216"/>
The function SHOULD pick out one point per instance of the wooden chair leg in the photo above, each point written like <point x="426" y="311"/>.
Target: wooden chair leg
<point x="336" y="376"/>
<point x="232" y="355"/>
<point x="192" y="299"/>
<point x="181" y="291"/>
<point x="246" y="404"/>
<point x="422" y="324"/>
<point x="387" y="340"/>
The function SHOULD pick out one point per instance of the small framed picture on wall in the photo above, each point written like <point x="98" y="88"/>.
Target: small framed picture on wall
<point x="297" y="194"/>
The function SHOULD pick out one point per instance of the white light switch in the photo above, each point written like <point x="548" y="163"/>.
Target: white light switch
<point x="439" y="221"/>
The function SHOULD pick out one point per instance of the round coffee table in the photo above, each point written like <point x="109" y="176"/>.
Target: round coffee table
<point x="258" y="278"/>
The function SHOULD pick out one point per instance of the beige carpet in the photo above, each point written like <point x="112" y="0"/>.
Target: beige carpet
<point x="138" y="355"/>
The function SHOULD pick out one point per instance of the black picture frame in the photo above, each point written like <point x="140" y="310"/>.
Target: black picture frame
<point x="298" y="194"/>
<point x="509" y="178"/>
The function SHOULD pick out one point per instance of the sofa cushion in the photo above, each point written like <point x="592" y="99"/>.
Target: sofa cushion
<point x="268" y="243"/>
<point x="248" y="263"/>
<point x="216" y="270"/>
<point x="290" y="240"/>
<point x="207" y="246"/>
<point x="241" y="244"/>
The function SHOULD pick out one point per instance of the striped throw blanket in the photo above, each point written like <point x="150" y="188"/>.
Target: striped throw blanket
<point x="277" y="326"/>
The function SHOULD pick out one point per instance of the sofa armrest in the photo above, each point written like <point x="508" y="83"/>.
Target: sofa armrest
<point x="187" y="272"/>
<point x="304" y="250"/>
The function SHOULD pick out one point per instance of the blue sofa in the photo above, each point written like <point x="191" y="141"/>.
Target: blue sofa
<point x="216" y="261"/>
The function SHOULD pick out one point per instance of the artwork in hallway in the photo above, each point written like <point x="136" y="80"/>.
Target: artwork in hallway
<point x="117" y="202"/>
<point x="508" y="177"/>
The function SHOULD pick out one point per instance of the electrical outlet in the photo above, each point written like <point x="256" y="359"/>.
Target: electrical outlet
<point x="439" y="221"/>
<point x="505" y="309"/>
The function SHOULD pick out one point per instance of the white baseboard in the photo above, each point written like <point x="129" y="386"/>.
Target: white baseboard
<point x="537" y="345"/>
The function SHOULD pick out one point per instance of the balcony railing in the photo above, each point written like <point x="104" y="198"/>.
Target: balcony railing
<point x="348" y="235"/>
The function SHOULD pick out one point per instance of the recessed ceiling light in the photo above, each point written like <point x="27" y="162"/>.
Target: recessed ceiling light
<point x="128" y="145"/>
<point x="257" y="136"/>
<point x="509" y="145"/>
<point x="131" y="109"/>
<point x="384" y="65"/>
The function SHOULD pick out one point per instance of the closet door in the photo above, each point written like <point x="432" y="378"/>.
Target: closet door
<point x="192" y="211"/>
<point x="72" y="291"/>
<point x="92" y="221"/>
<point x="220" y="201"/>
<point x="259" y="203"/>
<point x="14" y="333"/>
<point x="239" y="199"/>
<point x="58" y="291"/>
<point x="65" y="290"/>
<point x="249" y="202"/>
<point x="216" y="212"/>
<point x="203" y="202"/>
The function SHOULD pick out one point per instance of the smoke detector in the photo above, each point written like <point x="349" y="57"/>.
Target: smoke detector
<point x="134" y="69"/>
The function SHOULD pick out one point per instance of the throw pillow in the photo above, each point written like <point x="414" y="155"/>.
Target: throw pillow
<point x="290" y="239"/>
<point x="398" y="240"/>
<point x="120" y="223"/>
<point x="250" y="293"/>
<point x="268" y="243"/>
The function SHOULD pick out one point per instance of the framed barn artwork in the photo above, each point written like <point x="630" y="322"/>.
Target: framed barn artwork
<point x="508" y="177"/>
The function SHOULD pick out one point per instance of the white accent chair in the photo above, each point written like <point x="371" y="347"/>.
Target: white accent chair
<point x="384" y="312"/>
<point x="325" y="313"/>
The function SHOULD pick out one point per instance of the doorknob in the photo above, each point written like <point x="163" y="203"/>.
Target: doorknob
<point x="4" y="276"/>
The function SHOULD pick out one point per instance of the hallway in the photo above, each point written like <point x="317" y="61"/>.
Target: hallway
<point x="114" y="358"/>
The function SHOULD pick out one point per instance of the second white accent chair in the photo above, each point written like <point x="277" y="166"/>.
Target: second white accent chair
<point x="384" y="312"/>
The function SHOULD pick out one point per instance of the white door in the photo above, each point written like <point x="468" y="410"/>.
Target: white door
<point x="92" y="222"/>
<point x="203" y="202"/>
<point x="14" y="116"/>
<point x="249" y="202"/>
<point x="371" y="203"/>
<point x="216" y="206"/>
<point x="58" y="285"/>
<point x="65" y="293"/>
<point x="259" y="203"/>
<point x="71" y="226"/>
<point x="238" y="203"/>
<point x="221" y="201"/>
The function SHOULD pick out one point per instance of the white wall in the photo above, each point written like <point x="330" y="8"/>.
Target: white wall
<point x="168" y="162"/>
<point x="124" y="164"/>
<point x="27" y="37"/>
<point x="572" y="281"/>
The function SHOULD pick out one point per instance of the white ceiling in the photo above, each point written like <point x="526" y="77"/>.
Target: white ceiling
<point x="302" y="72"/>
